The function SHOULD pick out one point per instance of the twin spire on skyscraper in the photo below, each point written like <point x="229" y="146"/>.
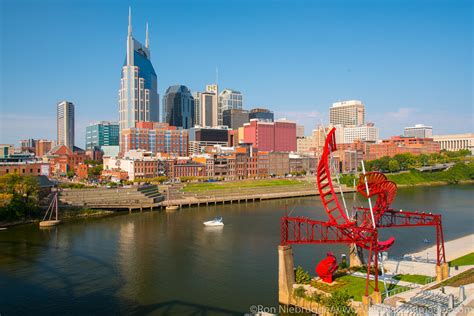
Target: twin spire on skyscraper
<point x="147" y="41"/>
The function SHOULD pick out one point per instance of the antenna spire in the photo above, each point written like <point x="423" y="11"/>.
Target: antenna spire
<point x="129" y="20"/>
<point x="147" y="41"/>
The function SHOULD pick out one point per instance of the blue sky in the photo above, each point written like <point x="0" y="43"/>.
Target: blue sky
<point x="409" y="61"/>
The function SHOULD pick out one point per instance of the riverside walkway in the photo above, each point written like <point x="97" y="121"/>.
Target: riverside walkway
<point x="241" y="195"/>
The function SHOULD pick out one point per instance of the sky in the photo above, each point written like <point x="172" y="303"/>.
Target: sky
<point x="408" y="61"/>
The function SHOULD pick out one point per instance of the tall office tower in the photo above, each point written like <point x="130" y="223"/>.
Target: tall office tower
<point x="419" y="131"/>
<point x="261" y="114"/>
<point x="235" y="118"/>
<point x="209" y="111"/>
<point x="65" y="124"/>
<point x="138" y="94"/>
<point x="228" y="99"/>
<point x="178" y="105"/>
<point x="347" y="113"/>
<point x="102" y="134"/>
<point x="197" y="108"/>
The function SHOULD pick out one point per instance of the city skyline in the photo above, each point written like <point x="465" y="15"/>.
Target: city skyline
<point x="433" y="84"/>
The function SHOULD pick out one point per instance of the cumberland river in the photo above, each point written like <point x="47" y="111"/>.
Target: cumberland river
<point x="156" y="263"/>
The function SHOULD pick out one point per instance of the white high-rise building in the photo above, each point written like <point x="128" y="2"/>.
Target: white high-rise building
<point x="228" y="99"/>
<point x="65" y="124"/>
<point x="418" y="131"/>
<point x="209" y="107"/>
<point x="138" y="93"/>
<point x="347" y="113"/>
<point x="366" y="133"/>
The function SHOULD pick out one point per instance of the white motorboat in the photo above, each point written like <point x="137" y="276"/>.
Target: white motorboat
<point x="215" y="222"/>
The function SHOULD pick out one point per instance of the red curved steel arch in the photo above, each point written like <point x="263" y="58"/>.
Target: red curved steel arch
<point x="361" y="230"/>
<point x="325" y="187"/>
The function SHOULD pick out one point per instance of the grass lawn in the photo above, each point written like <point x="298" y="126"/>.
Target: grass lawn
<point x="463" y="261"/>
<point x="467" y="277"/>
<point x="412" y="278"/>
<point x="354" y="286"/>
<point x="204" y="186"/>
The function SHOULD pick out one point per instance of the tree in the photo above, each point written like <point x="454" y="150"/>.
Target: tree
<point x="339" y="303"/>
<point x="302" y="277"/>
<point x="18" y="196"/>
<point x="393" y="165"/>
<point x="94" y="172"/>
<point x="70" y="174"/>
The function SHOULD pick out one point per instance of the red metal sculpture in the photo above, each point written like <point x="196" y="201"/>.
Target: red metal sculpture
<point x="361" y="228"/>
<point x="326" y="267"/>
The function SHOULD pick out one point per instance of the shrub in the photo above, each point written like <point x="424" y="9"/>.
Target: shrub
<point x="302" y="277"/>
<point x="339" y="303"/>
<point x="299" y="292"/>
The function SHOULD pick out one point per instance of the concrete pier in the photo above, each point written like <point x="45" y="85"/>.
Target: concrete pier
<point x="286" y="274"/>
<point x="442" y="272"/>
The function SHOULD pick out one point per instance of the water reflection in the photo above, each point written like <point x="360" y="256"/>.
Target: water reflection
<point x="170" y="262"/>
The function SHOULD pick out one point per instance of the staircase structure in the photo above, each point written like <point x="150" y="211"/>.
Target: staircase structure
<point x="114" y="198"/>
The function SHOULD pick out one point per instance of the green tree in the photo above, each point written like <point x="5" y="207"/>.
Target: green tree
<point x="339" y="303"/>
<point x="393" y="165"/>
<point x="301" y="276"/>
<point x="94" y="172"/>
<point x="70" y="174"/>
<point x="18" y="195"/>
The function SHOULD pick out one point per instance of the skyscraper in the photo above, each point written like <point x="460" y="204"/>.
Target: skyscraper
<point x="178" y="105"/>
<point x="102" y="134"/>
<point x="197" y="108"/>
<point x="65" y="124"/>
<point x="138" y="96"/>
<point x="347" y="113"/>
<point x="228" y="99"/>
<point x="208" y="107"/>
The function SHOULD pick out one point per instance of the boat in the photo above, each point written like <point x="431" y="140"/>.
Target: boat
<point x="3" y="228"/>
<point x="49" y="223"/>
<point x="53" y="207"/>
<point x="215" y="222"/>
<point x="171" y="208"/>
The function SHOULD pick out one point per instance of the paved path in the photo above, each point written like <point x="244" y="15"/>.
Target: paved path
<point x="454" y="249"/>
<point x="416" y="263"/>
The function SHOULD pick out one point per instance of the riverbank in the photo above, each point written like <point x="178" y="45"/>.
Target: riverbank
<point x="461" y="173"/>
<point x="67" y="216"/>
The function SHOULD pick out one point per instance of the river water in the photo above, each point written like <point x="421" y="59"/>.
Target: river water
<point x="158" y="263"/>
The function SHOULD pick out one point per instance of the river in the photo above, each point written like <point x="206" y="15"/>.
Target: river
<point x="157" y="262"/>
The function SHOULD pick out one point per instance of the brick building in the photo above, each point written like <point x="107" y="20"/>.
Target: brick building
<point x="156" y="138"/>
<point x="271" y="136"/>
<point x="401" y="145"/>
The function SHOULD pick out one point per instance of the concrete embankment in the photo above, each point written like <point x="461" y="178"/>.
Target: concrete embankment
<point x="424" y="261"/>
<point x="213" y="198"/>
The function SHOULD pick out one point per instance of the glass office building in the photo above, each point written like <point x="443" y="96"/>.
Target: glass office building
<point x="228" y="99"/>
<point x="102" y="134"/>
<point x="138" y="94"/>
<point x="178" y="105"/>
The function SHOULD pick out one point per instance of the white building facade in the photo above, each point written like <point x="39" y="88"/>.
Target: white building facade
<point x="366" y="133"/>
<point x="418" y="131"/>
<point x="65" y="124"/>
<point x="455" y="142"/>
<point x="347" y="113"/>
